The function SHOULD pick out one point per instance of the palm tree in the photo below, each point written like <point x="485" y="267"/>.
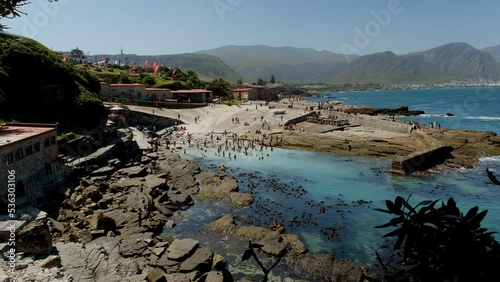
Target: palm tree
<point x="219" y="87"/>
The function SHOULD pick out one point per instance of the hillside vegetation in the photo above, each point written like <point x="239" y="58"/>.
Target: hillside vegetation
<point x="36" y="85"/>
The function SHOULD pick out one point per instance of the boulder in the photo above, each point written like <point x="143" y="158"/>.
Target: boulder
<point x="134" y="171"/>
<point x="219" y="262"/>
<point x="104" y="171"/>
<point x="92" y="192"/>
<point x="181" y="248"/>
<point x="272" y="245"/>
<point x="241" y="199"/>
<point x="292" y="241"/>
<point x="182" y="277"/>
<point x="215" y="276"/>
<point x="170" y="224"/>
<point x="156" y="275"/>
<point x="102" y="222"/>
<point x="91" y="263"/>
<point x="225" y="224"/>
<point x="34" y="238"/>
<point x="324" y="268"/>
<point x="155" y="182"/>
<point x="216" y="185"/>
<point x="136" y="244"/>
<point x="200" y="261"/>
<point x="51" y="261"/>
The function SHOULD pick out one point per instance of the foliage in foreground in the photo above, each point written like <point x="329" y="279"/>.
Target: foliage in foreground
<point x="440" y="243"/>
<point x="36" y="85"/>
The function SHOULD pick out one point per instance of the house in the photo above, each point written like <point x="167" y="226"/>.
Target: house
<point x="243" y="94"/>
<point x="193" y="95"/>
<point x="159" y="94"/>
<point x="29" y="157"/>
<point x="129" y="91"/>
<point x="134" y="91"/>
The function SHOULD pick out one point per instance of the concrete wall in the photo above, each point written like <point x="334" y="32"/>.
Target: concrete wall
<point x="421" y="161"/>
<point x="372" y="121"/>
<point x="299" y="119"/>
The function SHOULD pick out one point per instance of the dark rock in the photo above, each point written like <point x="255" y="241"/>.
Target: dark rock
<point x="34" y="238"/>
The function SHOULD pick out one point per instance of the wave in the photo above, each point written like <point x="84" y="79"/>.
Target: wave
<point x="490" y="159"/>
<point x="483" y="118"/>
<point x="435" y="115"/>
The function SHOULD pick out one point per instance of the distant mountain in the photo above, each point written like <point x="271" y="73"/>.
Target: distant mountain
<point x="493" y="51"/>
<point x="287" y="64"/>
<point x="208" y="67"/>
<point x="454" y="61"/>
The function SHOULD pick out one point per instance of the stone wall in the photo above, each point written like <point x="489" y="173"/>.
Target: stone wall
<point x="299" y="119"/>
<point x="372" y="121"/>
<point x="144" y="119"/>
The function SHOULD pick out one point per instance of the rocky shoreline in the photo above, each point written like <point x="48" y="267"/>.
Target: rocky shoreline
<point x="113" y="223"/>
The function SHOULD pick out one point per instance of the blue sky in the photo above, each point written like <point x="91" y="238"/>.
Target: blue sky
<point x="155" y="27"/>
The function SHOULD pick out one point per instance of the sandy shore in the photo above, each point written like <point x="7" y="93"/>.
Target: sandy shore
<point x="245" y="119"/>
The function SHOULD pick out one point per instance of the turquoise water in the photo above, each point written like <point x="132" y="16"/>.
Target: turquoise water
<point x="295" y="187"/>
<point x="473" y="108"/>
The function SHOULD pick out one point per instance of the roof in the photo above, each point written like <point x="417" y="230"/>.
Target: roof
<point x="242" y="89"/>
<point x="157" y="89"/>
<point x="191" y="91"/>
<point x="126" y="85"/>
<point x="11" y="133"/>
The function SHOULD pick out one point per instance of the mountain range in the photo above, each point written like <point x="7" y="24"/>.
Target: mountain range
<point x="453" y="61"/>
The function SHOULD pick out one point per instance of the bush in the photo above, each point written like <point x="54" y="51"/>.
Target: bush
<point x="442" y="243"/>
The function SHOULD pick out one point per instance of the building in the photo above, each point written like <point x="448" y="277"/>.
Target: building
<point x="159" y="94"/>
<point x="30" y="150"/>
<point x="193" y="95"/>
<point x="243" y="94"/>
<point x="135" y="91"/>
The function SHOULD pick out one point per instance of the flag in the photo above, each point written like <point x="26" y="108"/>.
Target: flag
<point x="132" y="70"/>
<point x="155" y="69"/>
<point x="173" y="73"/>
<point x="146" y="63"/>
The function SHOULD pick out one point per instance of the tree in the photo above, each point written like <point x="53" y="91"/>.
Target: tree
<point x="240" y="81"/>
<point x="149" y="80"/>
<point x="440" y="244"/>
<point x="11" y="8"/>
<point x="220" y="87"/>
<point x="261" y="82"/>
<point x="273" y="81"/>
<point x="76" y="54"/>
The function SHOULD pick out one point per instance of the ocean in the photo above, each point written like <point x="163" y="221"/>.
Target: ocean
<point x="329" y="200"/>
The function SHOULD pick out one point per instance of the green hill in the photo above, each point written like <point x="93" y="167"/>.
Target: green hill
<point x="36" y="85"/>
<point x="208" y="67"/>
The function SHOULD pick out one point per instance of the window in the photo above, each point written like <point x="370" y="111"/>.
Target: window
<point x="36" y="147"/>
<point x="28" y="151"/>
<point x="19" y="154"/>
<point x="8" y="158"/>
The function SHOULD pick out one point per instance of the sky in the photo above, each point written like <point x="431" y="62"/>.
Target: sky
<point x="155" y="27"/>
